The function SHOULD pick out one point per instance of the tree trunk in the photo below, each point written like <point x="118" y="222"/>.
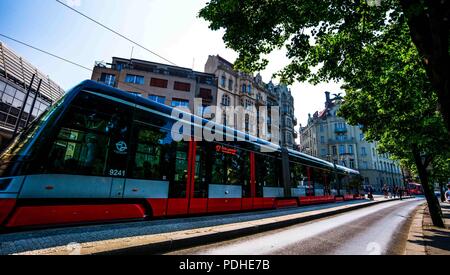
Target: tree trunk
<point x="429" y="24"/>
<point x="433" y="203"/>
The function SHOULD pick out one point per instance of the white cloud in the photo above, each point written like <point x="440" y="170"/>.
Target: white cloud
<point x="73" y="3"/>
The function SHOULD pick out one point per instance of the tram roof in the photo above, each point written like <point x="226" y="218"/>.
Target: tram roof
<point x="120" y="94"/>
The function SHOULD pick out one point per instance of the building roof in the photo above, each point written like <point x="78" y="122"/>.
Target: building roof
<point x="21" y="71"/>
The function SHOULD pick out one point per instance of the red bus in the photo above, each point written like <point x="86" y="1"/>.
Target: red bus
<point x="415" y="188"/>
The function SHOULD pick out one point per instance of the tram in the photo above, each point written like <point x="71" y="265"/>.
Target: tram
<point x="104" y="155"/>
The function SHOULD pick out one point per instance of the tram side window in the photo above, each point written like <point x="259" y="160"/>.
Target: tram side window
<point x="91" y="140"/>
<point x="230" y="166"/>
<point x="157" y="157"/>
<point x="268" y="172"/>
<point x="345" y="184"/>
<point x="298" y="175"/>
<point x="152" y="153"/>
<point x="320" y="186"/>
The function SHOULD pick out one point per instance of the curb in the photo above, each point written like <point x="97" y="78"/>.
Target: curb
<point x="415" y="244"/>
<point x="184" y="243"/>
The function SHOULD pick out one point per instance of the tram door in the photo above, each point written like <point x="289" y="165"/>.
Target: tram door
<point x="180" y="174"/>
<point x="199" y="180"/>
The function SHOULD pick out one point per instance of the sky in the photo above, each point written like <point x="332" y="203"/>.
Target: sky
<point x="170" y="28"/>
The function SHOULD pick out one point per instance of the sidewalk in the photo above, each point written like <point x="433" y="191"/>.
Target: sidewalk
<point x="424" y="238"/>
<point x="163" y="235"/>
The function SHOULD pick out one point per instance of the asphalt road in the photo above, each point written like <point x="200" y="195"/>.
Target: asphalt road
<point x="375" y="230"/>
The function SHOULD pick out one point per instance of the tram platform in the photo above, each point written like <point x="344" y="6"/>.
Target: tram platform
<point x="158" y="236"/>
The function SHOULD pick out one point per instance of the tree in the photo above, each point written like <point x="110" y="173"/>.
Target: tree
<point x="368" y="47"/>
<point x="325" y="33"/>
<point x="394" y="102"/>
<point x="429" y="24"/>
<point x="440" y="172"/>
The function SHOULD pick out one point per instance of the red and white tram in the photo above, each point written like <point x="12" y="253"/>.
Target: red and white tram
<point x="101" y="154"/>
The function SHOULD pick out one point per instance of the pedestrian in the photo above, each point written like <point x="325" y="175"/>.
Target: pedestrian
<point x="385" y="191"/>
<point x="447" y="194"/>
<point x="395" y="191"/>
<point x="400" y="193"/>
<point x="370" y="195"/>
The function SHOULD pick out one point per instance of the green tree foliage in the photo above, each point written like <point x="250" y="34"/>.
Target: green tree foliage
<point x="391" y="73"/>
<point x="328" y="34"/>
<point x="394" y="101"/>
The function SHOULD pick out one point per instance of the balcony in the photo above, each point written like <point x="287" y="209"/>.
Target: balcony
<point x="340" y="130"/>
<point x="341" y="141"/>
<point x="295" y="121"/>
<point x="295" y="134"/>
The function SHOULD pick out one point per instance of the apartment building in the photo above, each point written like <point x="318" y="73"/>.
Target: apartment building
<point x="250" y="92"/>
<point x="166" y="84"/>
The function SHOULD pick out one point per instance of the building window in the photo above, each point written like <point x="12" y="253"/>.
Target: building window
<point x="244" y="88"/>
<point x="363" y="151"/>
<point x="249" y="89"/>
<point x="322" y="139"/>
<point x="341" y="149"/>
<point x="365" y="165"/>
<point x="226" y="100"/>
<point x="134" y="79"/>
<point x="108" y="79"/>
<point x="156" y="98"/>
<point x="334" y="150"/>
<point x="180" y="103"/>
<point x="248" y="103"/>
<point x="230" y="84"/>
<point x="206" y="94"/>
<point x="350" y="149"/>
<point x="223" y="81"/>
<point x="361" y="137"/>
<point x="247" y="123"/>
<point x="181" y="86"/>
<point x="339" y="126"/>
<point x="321" y="128"/>
<point x="158" y="82"/>
<point x="323" y="152"/>
<point x="289" y="140"/>
<point x="352" y="164"/>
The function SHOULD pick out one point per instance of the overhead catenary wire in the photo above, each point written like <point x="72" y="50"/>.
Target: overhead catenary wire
<point x="65" y="60"/>
<point x="115" y="32"/>
<point x="46" y="52"/>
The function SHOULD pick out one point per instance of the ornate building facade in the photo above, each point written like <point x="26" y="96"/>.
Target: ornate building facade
<point x="329" y="137"/>
<point x="239" y="89"/>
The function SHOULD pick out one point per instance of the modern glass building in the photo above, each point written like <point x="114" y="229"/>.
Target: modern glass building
<point x="16" y="75"/>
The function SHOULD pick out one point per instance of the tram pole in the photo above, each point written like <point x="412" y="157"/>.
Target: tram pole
<point x="286" y="172"/>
